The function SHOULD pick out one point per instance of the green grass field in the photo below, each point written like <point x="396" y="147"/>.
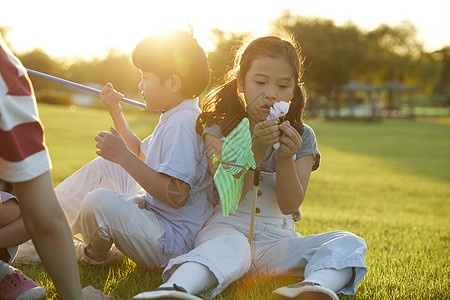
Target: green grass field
<point x="388" y="182"/>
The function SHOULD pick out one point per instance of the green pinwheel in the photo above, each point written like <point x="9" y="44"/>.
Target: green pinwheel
<point x="237" y="158"/>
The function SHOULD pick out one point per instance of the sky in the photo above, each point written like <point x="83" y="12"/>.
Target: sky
<point x="91" y="27"/>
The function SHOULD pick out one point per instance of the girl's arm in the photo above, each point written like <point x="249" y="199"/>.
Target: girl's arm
<point x="292" y="176"/>
<point x="111" y="99"/>
<point x="169" y="190"/>
<point x="292" y="181"/>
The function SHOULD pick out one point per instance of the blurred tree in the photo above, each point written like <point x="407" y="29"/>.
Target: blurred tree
<point x="221" y="58"/>
<point x="40" y="61"/>
<point x="118" y="69"/>
<point x="395" y="55"/>
<point x="428" y="70"/>
<point x="394" y="52"/>
<point x="115" y="68"/>
<point x="442" y="57"/>
<point x="81" y="71"/>
<point x="333" y="55"/>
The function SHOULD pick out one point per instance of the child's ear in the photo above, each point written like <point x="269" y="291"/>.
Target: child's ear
<point x="174" y="83"/>
<point x="240" y="85"/>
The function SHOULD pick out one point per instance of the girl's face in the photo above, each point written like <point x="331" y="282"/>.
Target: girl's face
<point x="268" y="80"/>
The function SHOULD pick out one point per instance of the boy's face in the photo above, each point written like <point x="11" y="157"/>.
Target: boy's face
<point x="156" y="93"/>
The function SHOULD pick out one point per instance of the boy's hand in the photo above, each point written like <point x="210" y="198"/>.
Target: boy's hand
<point x="111" y="98"/>
<point x="290" y="141"/>
<point x="265" y="134"/>
<point x="111" y="146"/>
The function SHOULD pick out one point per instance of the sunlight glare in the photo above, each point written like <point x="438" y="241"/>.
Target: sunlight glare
<point x="161" y="19"/>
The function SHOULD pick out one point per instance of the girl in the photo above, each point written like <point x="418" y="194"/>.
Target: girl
<point x="266" y="70"/>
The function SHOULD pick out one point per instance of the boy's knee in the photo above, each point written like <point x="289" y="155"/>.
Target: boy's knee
<point x="96" y="200"/>
<point x="100" y="203"/>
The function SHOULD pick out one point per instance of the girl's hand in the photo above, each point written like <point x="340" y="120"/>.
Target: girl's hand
<point x="111" y="98"/>
<point x="290" y="141"/>
<point x="265" y="134"/>
<point x="111" y="146"/>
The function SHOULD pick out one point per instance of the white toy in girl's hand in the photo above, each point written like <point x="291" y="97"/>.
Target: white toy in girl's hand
<point x="278" y="112"/>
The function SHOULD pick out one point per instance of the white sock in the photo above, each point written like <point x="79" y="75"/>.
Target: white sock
<point x="193" y="277"/>
<point x="5" y="269"/>
<point x="331" y="278"/>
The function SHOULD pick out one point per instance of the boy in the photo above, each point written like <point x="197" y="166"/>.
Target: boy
<point x="166" y="174"/>
<point x="24" y="161"/>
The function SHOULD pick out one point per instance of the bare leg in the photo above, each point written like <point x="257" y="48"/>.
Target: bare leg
<point x="48" y="228"/>
<point x="12" y="229"/>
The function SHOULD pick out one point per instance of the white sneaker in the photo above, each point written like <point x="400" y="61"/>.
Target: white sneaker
<point x="9" y="255"/>
<point x="12" y="251"/>
<point x="167" y="293"/>
<point x="304" y="291"/>
<point x="27" y="254"/>
<point x="114" y="256"/>
<point x="91" y="293"/>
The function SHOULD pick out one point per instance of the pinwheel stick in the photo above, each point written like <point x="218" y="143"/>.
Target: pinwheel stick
<point x="252" y="216"/>
<point x="255" y="194"/>
<point x="86" y="88"/>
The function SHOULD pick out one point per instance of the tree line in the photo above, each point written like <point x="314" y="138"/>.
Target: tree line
<point x="333" y="56"/>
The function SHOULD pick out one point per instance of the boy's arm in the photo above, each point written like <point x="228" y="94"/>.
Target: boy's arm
<point x="111" y="99"/>
<point x="167" y="189"/>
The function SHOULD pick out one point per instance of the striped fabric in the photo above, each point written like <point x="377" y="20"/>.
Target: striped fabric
<point x="23" y="154"/>
<point x="236" y="158"/>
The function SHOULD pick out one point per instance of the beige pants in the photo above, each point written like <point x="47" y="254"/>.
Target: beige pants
<point x="113" y="196"/>
<point x="107" y="217"/>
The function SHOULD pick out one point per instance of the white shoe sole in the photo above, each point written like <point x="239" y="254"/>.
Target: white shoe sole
<point x="167" y="295"/>
<point x="287" y="292"/>
<point x="33" y="294"/>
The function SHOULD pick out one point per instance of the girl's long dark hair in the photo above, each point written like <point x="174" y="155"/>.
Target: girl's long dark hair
<point x="224" y="106"/>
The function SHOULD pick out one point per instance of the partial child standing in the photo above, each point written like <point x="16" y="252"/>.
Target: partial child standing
<point x="267" y="70"/>
<point x="24" y="162"/>
<point x="13" y="283"/>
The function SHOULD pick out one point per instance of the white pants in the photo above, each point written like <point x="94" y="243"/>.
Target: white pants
<point x="107" y="217"/>
<point x="100" y="201"/>
<point x="222" y="246"/>
<point x="99" y="173"/>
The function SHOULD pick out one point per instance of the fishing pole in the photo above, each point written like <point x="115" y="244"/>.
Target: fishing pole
<point x="84" y="87"/>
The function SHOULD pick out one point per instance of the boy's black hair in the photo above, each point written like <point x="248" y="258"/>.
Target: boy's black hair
<point x="174" y="52"/>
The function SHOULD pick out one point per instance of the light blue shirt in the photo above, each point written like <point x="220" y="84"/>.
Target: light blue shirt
<point x="177" y="150"/>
